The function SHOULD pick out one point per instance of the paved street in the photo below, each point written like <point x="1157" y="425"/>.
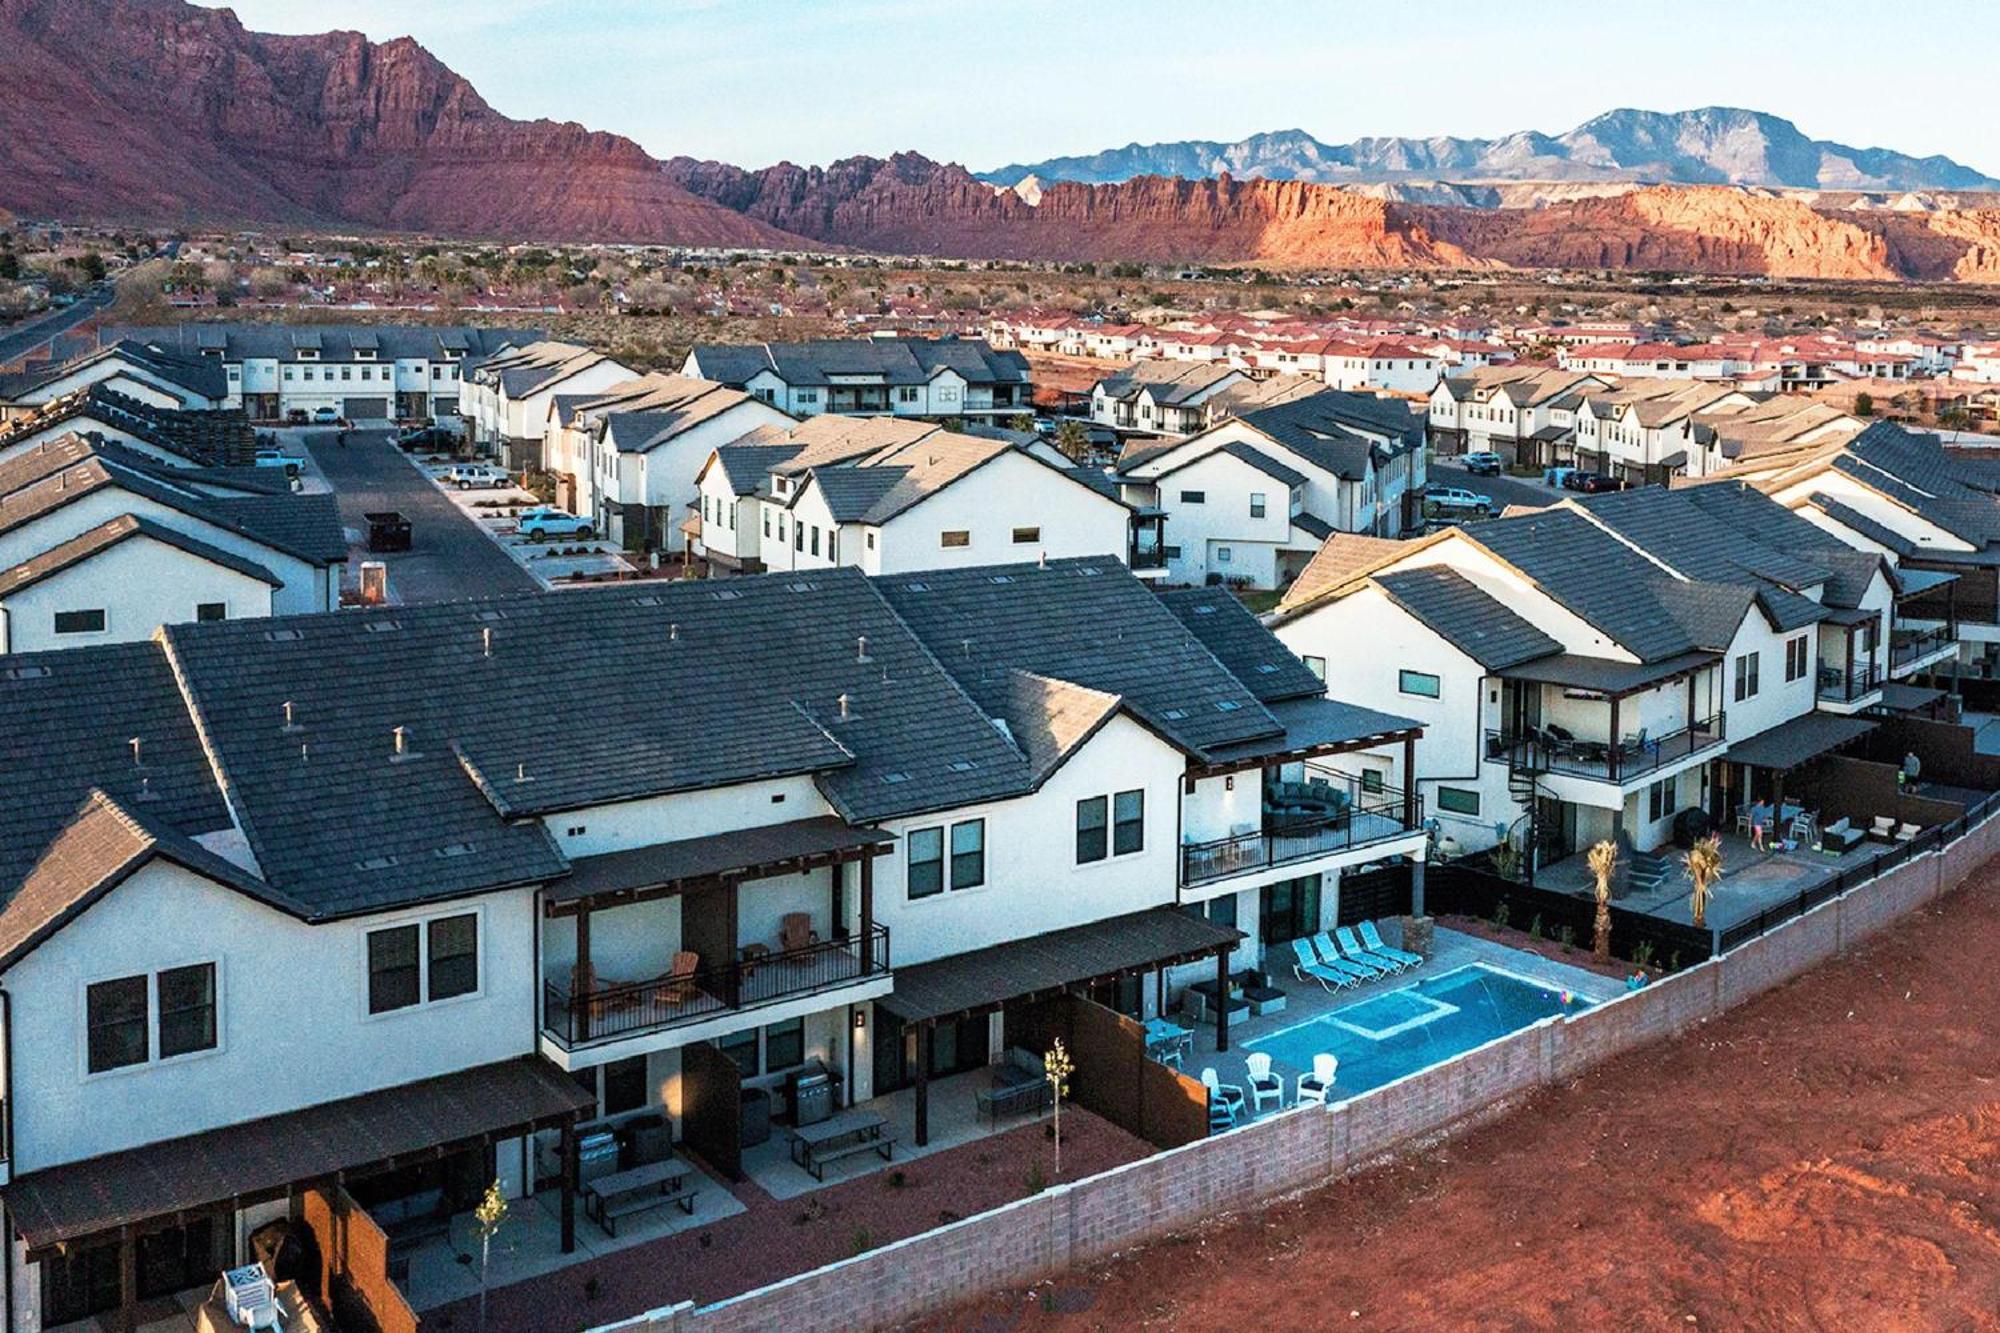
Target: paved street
<point x="1503" y="490"/>
<point x="449" y="558"/>
<point x="25" y="338"/>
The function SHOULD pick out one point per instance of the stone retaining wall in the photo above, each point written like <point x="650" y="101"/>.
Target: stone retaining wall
<point x="1173" y="1191"/>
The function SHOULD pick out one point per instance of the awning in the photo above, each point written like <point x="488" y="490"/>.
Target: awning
<point x="1603" y="674"/>
<point x="1915" y="581"/>
<point x="1900" y="698"/>
<point x="262" y="1159"/>
<point x="752" y="853"/>
<point x="987" y="978"/>
<point x="1792" y="743"/>
<point x="1316" y="725"/>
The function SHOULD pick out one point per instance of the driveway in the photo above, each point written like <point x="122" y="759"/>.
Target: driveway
<point x="449" y="557"/>
<point x="1503" y="490"/>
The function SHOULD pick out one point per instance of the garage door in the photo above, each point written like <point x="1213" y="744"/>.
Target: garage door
<point x="366" y="409"/>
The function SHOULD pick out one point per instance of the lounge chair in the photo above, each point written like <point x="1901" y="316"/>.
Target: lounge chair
<point x="1314" y="1088"/>
<point x="1265" y="1086"/>
<point x="1354" y="949"/>
<point x="1331" y="955"/>
<point x="1224" y="1095"/>
<point x="1839" y="836"/>
<point x="1372" y="937"/>
<point x="1883" y="829"/>
<point x="677" y="986"/>
<point x="1309" y="968"/>
<point x="1907" y="832"/>
<point x="795" y="932"/>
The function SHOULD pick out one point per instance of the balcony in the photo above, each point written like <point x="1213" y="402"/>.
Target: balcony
<point x="610" y="1012"/>
<point x="1372" y="817"/>
<point x="1846" y="685"/>
<point x="1909" y="647"/>
<point x="1549" y="750"/>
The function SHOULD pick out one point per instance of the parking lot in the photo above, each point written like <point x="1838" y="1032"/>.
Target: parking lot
<point x="494" y="510"/>
<point x="449" y="557"/>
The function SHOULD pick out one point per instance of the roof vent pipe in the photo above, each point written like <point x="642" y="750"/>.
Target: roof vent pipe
<point x="674" y="630"/>
<point x="137" y="762"/>
<point x="861" y="648"/>
<point x="290" y="720"/>
<point x="843" y="707"/>
<point x="486" y="642"/>
<point x="402" y="742"/>
<point x="1043" y="561"/>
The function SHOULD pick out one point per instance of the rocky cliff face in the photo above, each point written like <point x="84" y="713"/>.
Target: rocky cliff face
<point x="154" y="109"/>
<point x="913" y="205"/>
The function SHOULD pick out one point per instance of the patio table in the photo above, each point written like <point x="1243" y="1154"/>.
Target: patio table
<point x="1162" y="1036"/>
<point x="814" y="1147"/>
<point x="665" y="1178"/>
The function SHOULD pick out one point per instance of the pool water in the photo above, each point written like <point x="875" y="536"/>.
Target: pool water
<point x="1380" y="1039"/>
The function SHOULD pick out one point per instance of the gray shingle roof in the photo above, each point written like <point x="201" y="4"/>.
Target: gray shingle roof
<point x="109" y="534"/>
<point x="882" y="360"/>
<point x="1466" y="616"/>
<point x="1240" y="642"/>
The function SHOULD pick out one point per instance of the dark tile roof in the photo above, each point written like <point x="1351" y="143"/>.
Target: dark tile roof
<point x="109" y="534"/>
<point x="1799" y="739"/>
<point x="98" y="849"/>
<point x="201" y="376"/>
<point x="1266" y="464"/>
<point x="72" y="717"/>
<point x="1849" y="517"/>
<point x="1082" y="620"/>
<point x="890" y="360"/>
<point x="1312" y="525"/>
<point x="208" y="438"/>
<point x="1241" y="643"/>
<point x="259" y="1159"/>
<point x="1466" y="617"/>
<point x="1048" y="718"/>
<point x="742" y="851"/>
<point x="1316" y="723"/>
<point x="1341" y="558"/>
<point x="744" y="466"/>
<point x="251" y="340"/>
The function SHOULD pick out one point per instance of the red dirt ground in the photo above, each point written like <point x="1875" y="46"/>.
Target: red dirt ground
<point x="776" y="1238"/>
<point x="1822" y="1158"/>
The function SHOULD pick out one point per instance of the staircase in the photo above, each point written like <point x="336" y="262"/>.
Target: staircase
<point x="1646" y="871"/>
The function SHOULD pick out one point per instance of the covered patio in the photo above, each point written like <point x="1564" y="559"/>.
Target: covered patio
<point x="59" y="1213"/>
<point x="985" y="981"/>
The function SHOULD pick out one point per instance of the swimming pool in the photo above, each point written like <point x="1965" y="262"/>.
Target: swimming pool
<point x="1380" y="1039"/>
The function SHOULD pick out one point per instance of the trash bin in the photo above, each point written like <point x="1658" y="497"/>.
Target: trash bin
<point x="755" y="1118"/>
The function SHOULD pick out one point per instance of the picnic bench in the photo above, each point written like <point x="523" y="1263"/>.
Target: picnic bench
<point x="623" y="1193"/>
<point x="816" y="1147"/>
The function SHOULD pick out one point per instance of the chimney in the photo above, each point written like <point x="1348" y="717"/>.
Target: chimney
<point x="402" y="742"/>
<point x="843" y="707"/>
<point x="486" y="642"/>
<point x="861" y="648"/>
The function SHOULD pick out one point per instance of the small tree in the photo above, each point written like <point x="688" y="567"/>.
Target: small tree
<point x="1603" y="862"/>
<point x="1073" y="440"/>
<point x="1057" y="1067"/>
<point x="492" y="1211"/>
<point x="1703" y="864"/>
<point x="1864" y="404"/>
<point x="1021" y="421"/>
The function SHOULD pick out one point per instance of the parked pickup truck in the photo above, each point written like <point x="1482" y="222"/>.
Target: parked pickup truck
<point x="542" y="522"/>
<point x="388" y="530"/>
<point x="1456" y="500"/>
<point x="469" y="476"/>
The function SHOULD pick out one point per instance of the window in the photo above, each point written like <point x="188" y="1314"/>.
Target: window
<point x="957" y="537"/>
<point x="767" y="522"/>
<point x="1256" y="504"/>
<point x="1022" y="536"/>
<point x="784" y="1045"/>
<point x="968" y="854"/>
<point x="1371" y="780"/>
<point x="187" y="1010"/>
<point x="211" y="611"/>
<point x="906" y="395"/>
<point x="117" y="1023"/>
<point x="80" y="622"/>
<point x="454" y="956"/>
<point x="1795" y="659"/>
<point x="1194" y="497"/>
<point x="1420" y="683"/>
<point x="625" y="1085"/>
<point x="346" y="373"/>
<point x="1660" y="800"/>
<point x="1458" y="800"/>
<point x="1223" y="555"/>
<point x="393" y="969"/>
<point x="741" y="1047"/>
<point x="1091" y="814"/>
<point x="1317" y="665"/>
<point x="815" y="539"/>
<point x="1746" y="677"/>
<point x="926" y="862"/>
<point x="1128" y="822"/>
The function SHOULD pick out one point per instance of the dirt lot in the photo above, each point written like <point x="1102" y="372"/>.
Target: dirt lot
<point x="1823" y="1158"/>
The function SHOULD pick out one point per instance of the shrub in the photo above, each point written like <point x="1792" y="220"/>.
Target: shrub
<point x="1500" y="914"/>
<point x="1642" y="953"/>
<point x="1037" y="1182"/>
<point x="1535" y="927"/>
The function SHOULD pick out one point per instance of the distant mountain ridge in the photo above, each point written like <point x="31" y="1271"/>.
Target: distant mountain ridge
<point x="1707" y="146"/>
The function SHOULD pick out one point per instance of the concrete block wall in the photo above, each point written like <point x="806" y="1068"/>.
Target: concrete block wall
<point x="1176" y="1190"/>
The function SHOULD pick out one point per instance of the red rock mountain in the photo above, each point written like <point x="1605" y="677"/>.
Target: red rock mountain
<point x="159" y="110"/>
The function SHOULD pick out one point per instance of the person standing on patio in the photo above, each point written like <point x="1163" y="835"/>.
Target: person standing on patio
<point x="1757" y="831"/>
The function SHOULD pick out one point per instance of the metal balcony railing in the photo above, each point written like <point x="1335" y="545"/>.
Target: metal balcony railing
<point x="1845" y="685"/>
<point x="627" y="1009"/>
<point x="1545" y="750"/>
<point x="1373" y="817"/>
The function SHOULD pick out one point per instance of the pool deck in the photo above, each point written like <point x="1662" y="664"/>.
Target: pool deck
<point x="1306" y="1001"/>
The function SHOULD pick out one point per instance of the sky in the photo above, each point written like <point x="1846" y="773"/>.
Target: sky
<point x="990" y="82"/>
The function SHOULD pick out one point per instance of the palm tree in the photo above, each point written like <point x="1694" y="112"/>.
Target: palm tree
<point x="1703" y="864"/>
<point x="1073" y="440"/>
<point x="1603" y="862"/>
